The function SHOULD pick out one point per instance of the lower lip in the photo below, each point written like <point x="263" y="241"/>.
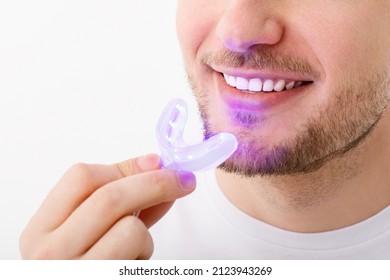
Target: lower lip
<point x="241" y="100"/>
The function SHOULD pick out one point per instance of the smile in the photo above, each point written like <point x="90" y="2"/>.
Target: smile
<point x="256" y="85"/>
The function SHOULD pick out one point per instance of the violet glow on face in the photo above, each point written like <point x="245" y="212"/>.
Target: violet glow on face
<point x="356" y="105"/>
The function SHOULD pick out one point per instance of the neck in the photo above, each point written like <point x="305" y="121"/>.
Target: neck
<point x="345" y="191"/>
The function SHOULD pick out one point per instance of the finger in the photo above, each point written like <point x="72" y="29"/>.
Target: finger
<point x="80" y="181"/>
<point x="153" y="214"/>
<point x="110" y="203"/>
<point x="128" y="239"/>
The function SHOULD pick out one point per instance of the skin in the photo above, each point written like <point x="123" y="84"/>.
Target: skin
<point x="88" y="214"/>
<point x="312" y="159"/>
<point x="341" y="46"/>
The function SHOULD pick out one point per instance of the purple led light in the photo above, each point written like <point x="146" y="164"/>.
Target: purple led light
<point x="177" y="155"/>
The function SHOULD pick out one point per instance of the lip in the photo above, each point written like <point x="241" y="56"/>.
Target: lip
<point x="245" y="100"/>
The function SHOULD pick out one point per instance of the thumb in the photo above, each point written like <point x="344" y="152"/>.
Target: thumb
<point x="144" y="163"/>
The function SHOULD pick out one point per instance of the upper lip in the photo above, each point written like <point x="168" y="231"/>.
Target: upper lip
<point x="263" y="74"/>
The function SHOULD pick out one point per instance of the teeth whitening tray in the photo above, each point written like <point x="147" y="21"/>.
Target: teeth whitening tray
<point x="177" y="155"/>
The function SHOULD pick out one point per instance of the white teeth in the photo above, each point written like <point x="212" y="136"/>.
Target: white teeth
<point x="256" y="85"/>
<point x="242" y="83"/>
<point x="290" y="85"/>
<point x="232" y="81"/>
<point x="226" y="78"/>
<point x="298" y="84"/>
<point x="280" y="85"/>
<point x="268" y="86"/>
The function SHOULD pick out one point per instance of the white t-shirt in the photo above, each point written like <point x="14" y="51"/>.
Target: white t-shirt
<point x="205" y="225"/>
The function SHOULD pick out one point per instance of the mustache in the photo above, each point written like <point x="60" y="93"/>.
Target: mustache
<point x="261" y="59"/>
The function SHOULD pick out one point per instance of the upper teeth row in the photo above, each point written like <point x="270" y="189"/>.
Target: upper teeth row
<point x="257" y="85"/>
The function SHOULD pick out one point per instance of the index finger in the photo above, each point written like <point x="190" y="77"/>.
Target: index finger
<point x="80" y="181"/>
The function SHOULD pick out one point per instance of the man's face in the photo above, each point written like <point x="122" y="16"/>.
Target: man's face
<point x="298" y="81"/>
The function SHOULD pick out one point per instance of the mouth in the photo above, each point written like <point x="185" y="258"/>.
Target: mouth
<point x="257" y="85"/>
<point x="263" y="92"/>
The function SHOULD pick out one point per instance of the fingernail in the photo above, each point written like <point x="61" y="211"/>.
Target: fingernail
<point x="147" y="162"/>
<point x="187" y="179"/>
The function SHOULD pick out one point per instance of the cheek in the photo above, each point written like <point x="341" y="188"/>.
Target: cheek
<point x="348" y="42"/>
<point x="194" y="24"/>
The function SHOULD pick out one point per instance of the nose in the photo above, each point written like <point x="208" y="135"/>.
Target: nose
<point x="247" y="23"/>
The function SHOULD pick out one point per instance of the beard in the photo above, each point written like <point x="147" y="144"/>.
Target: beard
<point x="356" y="105"/>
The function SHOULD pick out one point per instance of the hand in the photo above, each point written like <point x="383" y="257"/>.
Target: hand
<point x="89" y="213"/>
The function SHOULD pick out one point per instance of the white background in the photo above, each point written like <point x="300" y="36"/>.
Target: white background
<point x="80" y="81"/>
